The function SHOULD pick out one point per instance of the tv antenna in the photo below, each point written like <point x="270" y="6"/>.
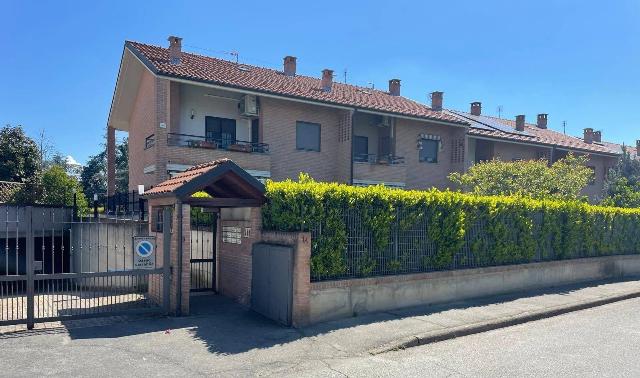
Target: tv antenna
<point x="235" y="54"/>
<point x="345" y="76"/>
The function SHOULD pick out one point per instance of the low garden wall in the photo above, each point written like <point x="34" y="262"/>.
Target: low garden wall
<point x="377" y="248"/>
<point x="331" y="300"/>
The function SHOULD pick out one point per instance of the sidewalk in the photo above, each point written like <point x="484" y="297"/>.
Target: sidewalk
<point x="223" y="338"/>
<point x="391" y="330"/>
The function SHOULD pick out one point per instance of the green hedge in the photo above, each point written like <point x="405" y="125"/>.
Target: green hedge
<point x="459" y="230"/>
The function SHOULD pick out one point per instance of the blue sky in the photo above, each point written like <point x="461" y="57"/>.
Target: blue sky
<point x="579" y="61"/>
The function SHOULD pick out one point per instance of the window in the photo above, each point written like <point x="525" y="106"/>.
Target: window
<point x="159" y="219"/>
<point x="360" y="148"/>
<point x="307" y="136"/>
<point x="220" y="130"/>
<point x="429" y="151"/>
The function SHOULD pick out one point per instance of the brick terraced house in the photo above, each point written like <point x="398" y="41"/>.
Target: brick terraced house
<point x="182" y="109"/>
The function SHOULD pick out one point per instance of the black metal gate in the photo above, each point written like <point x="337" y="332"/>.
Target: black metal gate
<point x="203" y="249"/>
<point x="55" y="265"/>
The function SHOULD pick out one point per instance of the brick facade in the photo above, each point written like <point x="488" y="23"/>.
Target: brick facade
<point x="421" y="175"/>
<point x="279" y="131"/>
<point x="142" y="125"/>
<point x="233" y="261"/>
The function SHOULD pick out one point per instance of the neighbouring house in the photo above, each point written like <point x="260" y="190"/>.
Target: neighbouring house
<point x="8" y="189"/>
<point x="509" y="140"/>
<point x="182" y="109"/>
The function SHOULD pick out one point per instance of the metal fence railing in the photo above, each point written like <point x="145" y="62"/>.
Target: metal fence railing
<point x="409" y="248"/>
<point x="213" y="143"/>
<point x="55" y="265"/>
<point x="127" y="204"/>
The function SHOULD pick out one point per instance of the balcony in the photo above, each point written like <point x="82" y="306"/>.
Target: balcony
<point x="195" y="141"/>
<point x="194" y="149"/>
<point x="371" y="168"/>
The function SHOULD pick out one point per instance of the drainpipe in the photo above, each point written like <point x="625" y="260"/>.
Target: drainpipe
<point x="179" y="296"/>
<point x="353" y="119"/>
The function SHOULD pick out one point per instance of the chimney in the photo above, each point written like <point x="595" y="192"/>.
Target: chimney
<point x="588" y="135"/>
<point x="520" y="122"/>
<point x="175" y="49"/>
<point x="394" y="87"/>
<point x="290" y="65"/>
<point x="436" y="101"/>
<point x="327" y="80"/>
<point x="597" y="136"/>
<point x="542" y="120"/>
<point x="476" y="108"/>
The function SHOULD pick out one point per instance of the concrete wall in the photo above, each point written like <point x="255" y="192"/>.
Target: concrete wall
<point x="341" y="299"/>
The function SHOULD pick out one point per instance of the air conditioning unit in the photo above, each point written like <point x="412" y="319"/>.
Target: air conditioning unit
<point x="248" y="106"/>
<point x="385" y="121"/>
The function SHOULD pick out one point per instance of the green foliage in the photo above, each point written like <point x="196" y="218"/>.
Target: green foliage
<point x="623" y="183"/>
<point x="94" y="174"/>
<point x="19" y="155"/>
<point x="563" y="180"/>
<point x="496" y="229"/>
<point x="53" y="187"/>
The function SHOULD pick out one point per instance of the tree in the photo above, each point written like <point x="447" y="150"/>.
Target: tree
<point x="622" y="188"/>
<point x="564" y="179"/>
<point x="58" y="189"/>
<point x="122" y="166"/>
<point x="94" y="174"/>
<point x="19" y="155"/>
<point x="52" y="187"/>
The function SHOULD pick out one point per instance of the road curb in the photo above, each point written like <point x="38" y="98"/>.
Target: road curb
<point x="470" y="329"/>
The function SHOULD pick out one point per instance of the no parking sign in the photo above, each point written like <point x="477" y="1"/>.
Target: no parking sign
<point x="144" y="252"/>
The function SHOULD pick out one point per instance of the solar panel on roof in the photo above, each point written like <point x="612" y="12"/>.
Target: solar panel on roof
<point x="488" y="123"/>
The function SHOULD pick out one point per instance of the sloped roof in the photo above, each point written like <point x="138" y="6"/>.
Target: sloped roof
<point x="483" y="126"/>
<point x="225" y="73"/>
<point x="633" y="151"/>
<point x="220" y="179"/>
<point x="8" y="189"/>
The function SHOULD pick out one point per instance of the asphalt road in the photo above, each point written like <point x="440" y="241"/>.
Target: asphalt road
<point x="599" y="342"/>
<point x="602" y="341"/>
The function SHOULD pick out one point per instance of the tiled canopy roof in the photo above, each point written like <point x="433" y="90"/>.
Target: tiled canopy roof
<point x="225" y="73"/>
<point x="7" y="190"/>
<point x="480" y="126"/>
<point x="221" y="179"/>
<point x="177" y="181"/>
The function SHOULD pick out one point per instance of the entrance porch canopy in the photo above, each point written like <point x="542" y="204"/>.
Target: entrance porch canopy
<point x="224" y="181"/>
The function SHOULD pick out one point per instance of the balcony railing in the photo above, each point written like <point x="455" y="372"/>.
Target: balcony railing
<point x="196" y="141"/>
<point x="378" y="159"/>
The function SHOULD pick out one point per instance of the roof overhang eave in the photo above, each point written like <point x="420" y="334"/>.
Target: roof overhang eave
<point x="233" y="88"/>
<point x="541" y="144"/>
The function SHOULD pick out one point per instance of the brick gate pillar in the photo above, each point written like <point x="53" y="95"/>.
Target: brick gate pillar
<point x="180" y="259"/>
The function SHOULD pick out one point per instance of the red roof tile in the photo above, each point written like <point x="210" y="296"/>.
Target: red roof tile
<point x="532" y="134"/>
<point x="170" y="185"/>
<point x="225" y="73"/>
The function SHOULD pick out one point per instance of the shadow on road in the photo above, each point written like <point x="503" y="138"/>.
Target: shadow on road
<point x="226" y="327"/>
